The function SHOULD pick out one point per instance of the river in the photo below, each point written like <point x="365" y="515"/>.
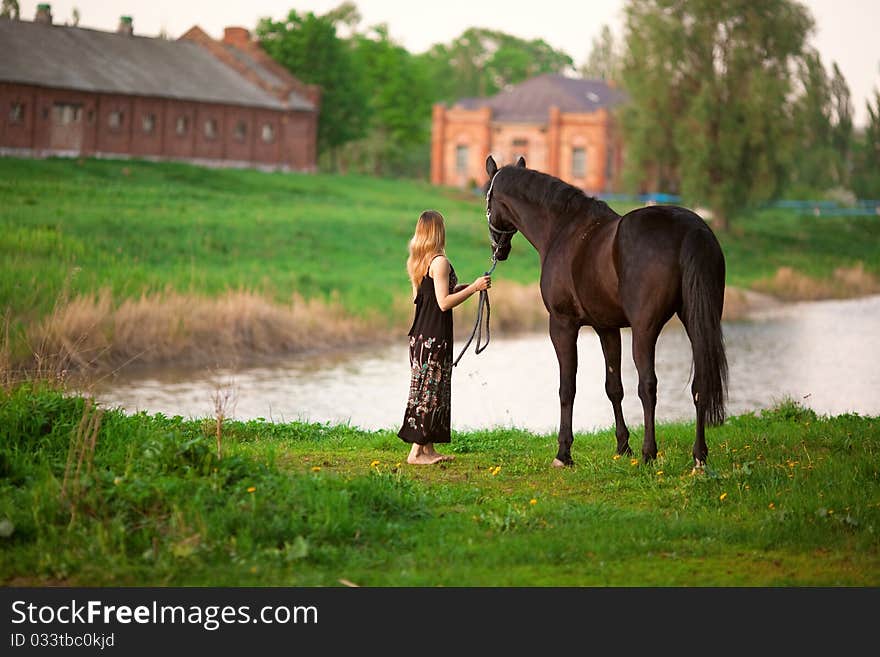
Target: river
<point x="823" y="354"/>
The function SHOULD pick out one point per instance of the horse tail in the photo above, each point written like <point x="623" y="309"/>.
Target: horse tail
<point x="702" y="288"/>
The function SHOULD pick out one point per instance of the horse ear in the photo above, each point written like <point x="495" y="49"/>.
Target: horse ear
<point x="521" y="162"/>
<point x="491" y="167"/>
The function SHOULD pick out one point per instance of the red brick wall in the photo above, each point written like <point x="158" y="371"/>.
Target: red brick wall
<point x="20" y="133"/>
<point x="293" y="144"/>
<point x="548" y="147"/>
<point x="142" y="141"/>
<point x="114" y="139"/>
<point x="179" y="145"/>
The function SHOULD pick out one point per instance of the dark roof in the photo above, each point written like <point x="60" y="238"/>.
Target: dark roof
<point x="530" y="101"/>
<point x="108" y="62"/>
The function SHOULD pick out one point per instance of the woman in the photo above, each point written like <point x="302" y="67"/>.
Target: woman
<point x="436" y="290"/>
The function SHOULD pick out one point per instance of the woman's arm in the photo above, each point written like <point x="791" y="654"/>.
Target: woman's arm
<point x="439" y="270"/>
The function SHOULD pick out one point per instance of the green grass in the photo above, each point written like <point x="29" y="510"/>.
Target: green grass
<point x="791" y="498"/>
<point x="137" y="227"/>
<point x="75" y="227"/>
<point x="761" y="242"/>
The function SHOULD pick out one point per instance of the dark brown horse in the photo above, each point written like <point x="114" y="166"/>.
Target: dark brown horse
<point x="608" y="271"/>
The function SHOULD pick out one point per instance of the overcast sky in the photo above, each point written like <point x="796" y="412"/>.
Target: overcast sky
<point x="846" y="30"/>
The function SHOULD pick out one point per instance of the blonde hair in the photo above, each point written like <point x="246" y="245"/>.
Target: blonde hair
<point x="428" y="241"/>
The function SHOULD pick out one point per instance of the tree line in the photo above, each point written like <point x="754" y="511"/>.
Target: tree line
<point x="729" y="105"/>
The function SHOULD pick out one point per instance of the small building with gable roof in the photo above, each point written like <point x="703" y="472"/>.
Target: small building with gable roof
<point x="81" y="92"/>
<point x="562" y="126"/>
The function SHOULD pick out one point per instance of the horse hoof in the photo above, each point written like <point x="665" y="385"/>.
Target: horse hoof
<point x="559" y="464"/>
<point x="699" y="467"/>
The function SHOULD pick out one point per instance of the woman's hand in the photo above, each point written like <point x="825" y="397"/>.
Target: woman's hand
<point x="482" y="283"/>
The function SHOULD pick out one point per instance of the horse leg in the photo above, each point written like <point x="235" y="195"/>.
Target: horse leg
<point x="701" y="449"/>
<point x="610" y="340"/>
<point x="563" y="334"/>
<point x="644" y="345"/>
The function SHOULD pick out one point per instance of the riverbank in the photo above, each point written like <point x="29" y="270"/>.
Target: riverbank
<point x="95" y="497"/>
<point x="114" y="264"/>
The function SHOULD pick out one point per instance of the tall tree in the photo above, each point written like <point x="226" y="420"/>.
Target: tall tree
<point x="710" y="87"/>
<point x="866" y="169"/>
<point x="482" y="62"/>
<point x="310" y="48"/>
<point x="399" y="133"/>
<point x="9" y="9"/>
<point x="842" y="125"/>
<point x="603" y="62"/>
<point x="814" y="167"/>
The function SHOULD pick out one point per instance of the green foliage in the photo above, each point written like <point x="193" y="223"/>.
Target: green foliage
<point x="309" y="47"/>
<point x="710" y="90"/>
<point x="399" y="107"/>
<point x="307" y="505"/>
<point x="482" y="62"/>
<point x="866" y="156"/>
<point x="604" y="60"/>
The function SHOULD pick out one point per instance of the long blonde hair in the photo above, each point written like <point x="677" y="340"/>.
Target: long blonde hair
<point x="428" y="241"/>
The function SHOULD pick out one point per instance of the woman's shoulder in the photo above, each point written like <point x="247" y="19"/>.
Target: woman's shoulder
<point x="439" y="264"/>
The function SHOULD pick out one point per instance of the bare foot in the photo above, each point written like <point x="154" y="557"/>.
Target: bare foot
<point x="424" y="458"/>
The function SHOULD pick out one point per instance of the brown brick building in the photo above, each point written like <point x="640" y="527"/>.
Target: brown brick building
<point x="75" y="91"/>
<point x="563" y="126"/>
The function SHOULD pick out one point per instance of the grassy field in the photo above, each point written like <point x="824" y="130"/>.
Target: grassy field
<point x="790" y="499"/>
<point x="116" y="256"/>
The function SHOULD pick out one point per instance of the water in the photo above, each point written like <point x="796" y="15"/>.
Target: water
<point x="822" y="354"/>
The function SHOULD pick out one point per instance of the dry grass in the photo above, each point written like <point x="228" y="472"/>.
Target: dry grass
<point x="93" y="334"/>
<point x="791" y="285"/>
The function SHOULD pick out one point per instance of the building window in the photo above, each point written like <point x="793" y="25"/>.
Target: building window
<point x="461" y="159"/>
<point x="240" y="132"/>
<point x="520" y="147"/>
<point x="16" y="113"/>
<point x="114" y="120"/>
<point x="268" y="132"/>
<point x="211" y="129"/>
<point x="90" y="116"/>
<point x="182" y="126"/>
<point x="65" y="113"/>
<point x="148" y="123"/>
<point x="578" y="162"/>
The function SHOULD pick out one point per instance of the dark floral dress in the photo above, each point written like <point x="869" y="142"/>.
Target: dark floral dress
<point x="429" y="407"/>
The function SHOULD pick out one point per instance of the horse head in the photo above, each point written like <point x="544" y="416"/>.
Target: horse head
<point x="501" y="227"/>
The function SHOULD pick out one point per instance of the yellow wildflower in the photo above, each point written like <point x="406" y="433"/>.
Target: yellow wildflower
<point x="251" y="489"/>
<point x="659" y="472"/>
<point x="616" y="456"/>
<point x="771" y="506"/>
<point x="373" y="464"/>
<point x="722" y="496"/>
<point x="633" y="461"/>
<point x="496" y="470"/>
<point x="533" y="501"/>
<point x="316" y="468"/>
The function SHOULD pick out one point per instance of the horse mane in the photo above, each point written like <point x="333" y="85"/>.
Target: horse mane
<point x="550" y="192"/>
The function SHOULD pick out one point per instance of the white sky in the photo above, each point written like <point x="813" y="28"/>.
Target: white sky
<point x="846" y="30"/>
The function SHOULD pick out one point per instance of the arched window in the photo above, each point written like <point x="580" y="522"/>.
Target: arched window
<point x="268" y="132"/>
<point x="240" y="132"/>
<point x="578" y="162"/>
<point x="211" y="129"/>
<point x="461" y="159"/>
<point x="182" y="125"/>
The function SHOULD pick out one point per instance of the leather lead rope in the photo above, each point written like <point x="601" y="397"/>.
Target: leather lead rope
<point x="478" y="325"/>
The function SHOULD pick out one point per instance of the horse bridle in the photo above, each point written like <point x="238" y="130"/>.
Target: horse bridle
<point x="494" y="230"/>
<point x="483" y="308"/>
